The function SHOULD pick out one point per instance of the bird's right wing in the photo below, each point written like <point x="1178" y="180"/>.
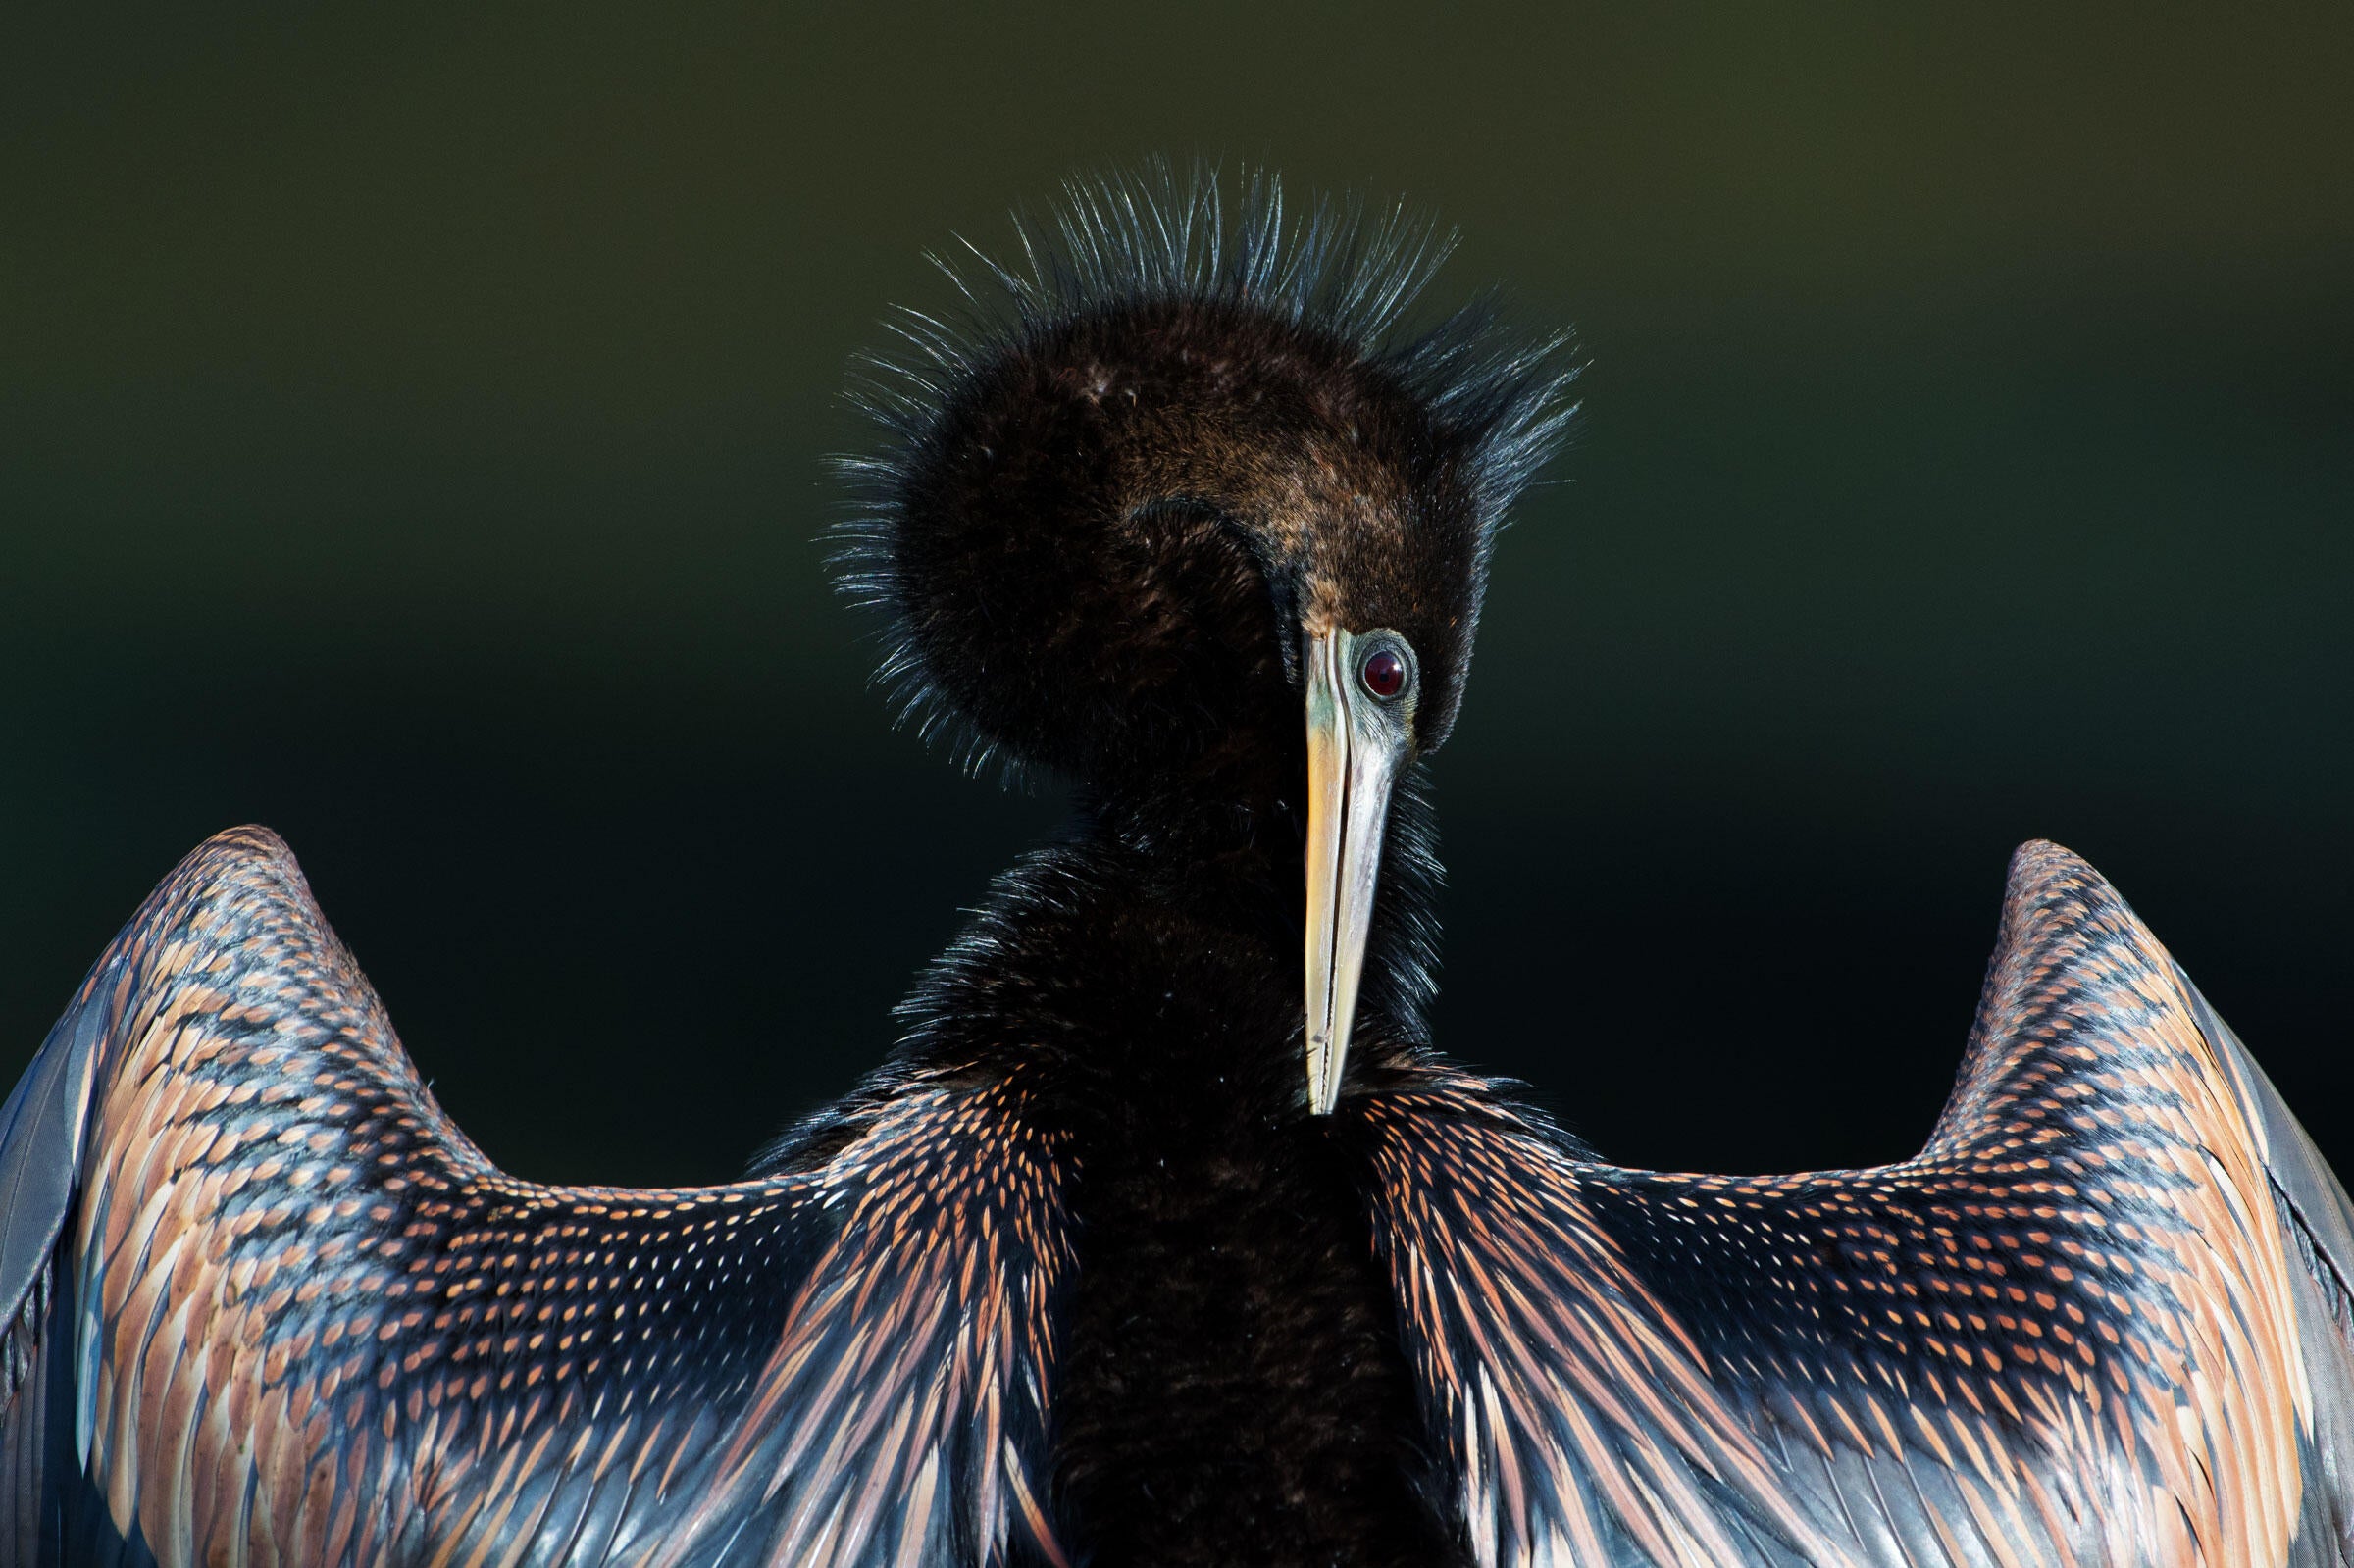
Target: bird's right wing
<point x="263" y="1304"/>
<point x="2100" y="1320"/>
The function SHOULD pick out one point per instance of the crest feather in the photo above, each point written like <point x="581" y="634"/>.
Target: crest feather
<point x="1347" y="269"/>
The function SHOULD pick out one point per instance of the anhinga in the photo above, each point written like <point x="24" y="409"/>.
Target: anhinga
<point x="1137" y="1250"/>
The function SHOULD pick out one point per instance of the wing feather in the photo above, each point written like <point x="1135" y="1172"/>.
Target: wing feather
<point x="2102" y="1318"/>
<point x="311" y="1323"/>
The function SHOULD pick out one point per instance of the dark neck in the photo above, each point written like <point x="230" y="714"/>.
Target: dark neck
<point x="1237" y="864"/>
<point x="1228" y="1347"/>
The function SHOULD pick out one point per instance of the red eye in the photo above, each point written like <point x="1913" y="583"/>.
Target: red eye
<point x="1384" y="674"/>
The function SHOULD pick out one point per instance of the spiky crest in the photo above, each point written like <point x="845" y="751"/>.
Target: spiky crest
<point x="1346" y="268"/>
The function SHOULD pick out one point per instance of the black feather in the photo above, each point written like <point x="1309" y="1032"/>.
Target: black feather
<point x="1344" y="273"/>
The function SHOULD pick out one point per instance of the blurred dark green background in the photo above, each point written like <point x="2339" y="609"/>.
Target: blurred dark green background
<point x="411" y="430"/>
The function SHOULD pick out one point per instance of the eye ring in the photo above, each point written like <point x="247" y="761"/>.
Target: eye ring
<point x="1385" y="674"/>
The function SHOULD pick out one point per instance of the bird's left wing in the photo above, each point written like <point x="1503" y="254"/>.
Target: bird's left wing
<point x="263" y="1304"/>
<point x="2101" y="1319"/>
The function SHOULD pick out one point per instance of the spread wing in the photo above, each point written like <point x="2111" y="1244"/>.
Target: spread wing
<point x="2101" y="1319"/>
<point x="263" y="1304"/>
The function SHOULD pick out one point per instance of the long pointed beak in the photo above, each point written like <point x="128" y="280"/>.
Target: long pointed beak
<point x="1354" y="752"/>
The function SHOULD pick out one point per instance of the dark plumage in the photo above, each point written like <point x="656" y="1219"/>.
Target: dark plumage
<point x="1107" y="499"/>
<point x="1104" y="488"/>
<point x="1090" y="1271"/>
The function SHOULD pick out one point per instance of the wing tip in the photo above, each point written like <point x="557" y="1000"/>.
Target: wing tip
<point x="2049" y="888"/>
<point x="2041" y="861"/>
<point x="248" y="841"/>
<point x="246" y="867"/>
<point x="2047" y="879"/>
<point x="248" y="858"/>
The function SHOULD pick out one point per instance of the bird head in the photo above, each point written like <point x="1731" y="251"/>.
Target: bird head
<point x="1177" y="511"/>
